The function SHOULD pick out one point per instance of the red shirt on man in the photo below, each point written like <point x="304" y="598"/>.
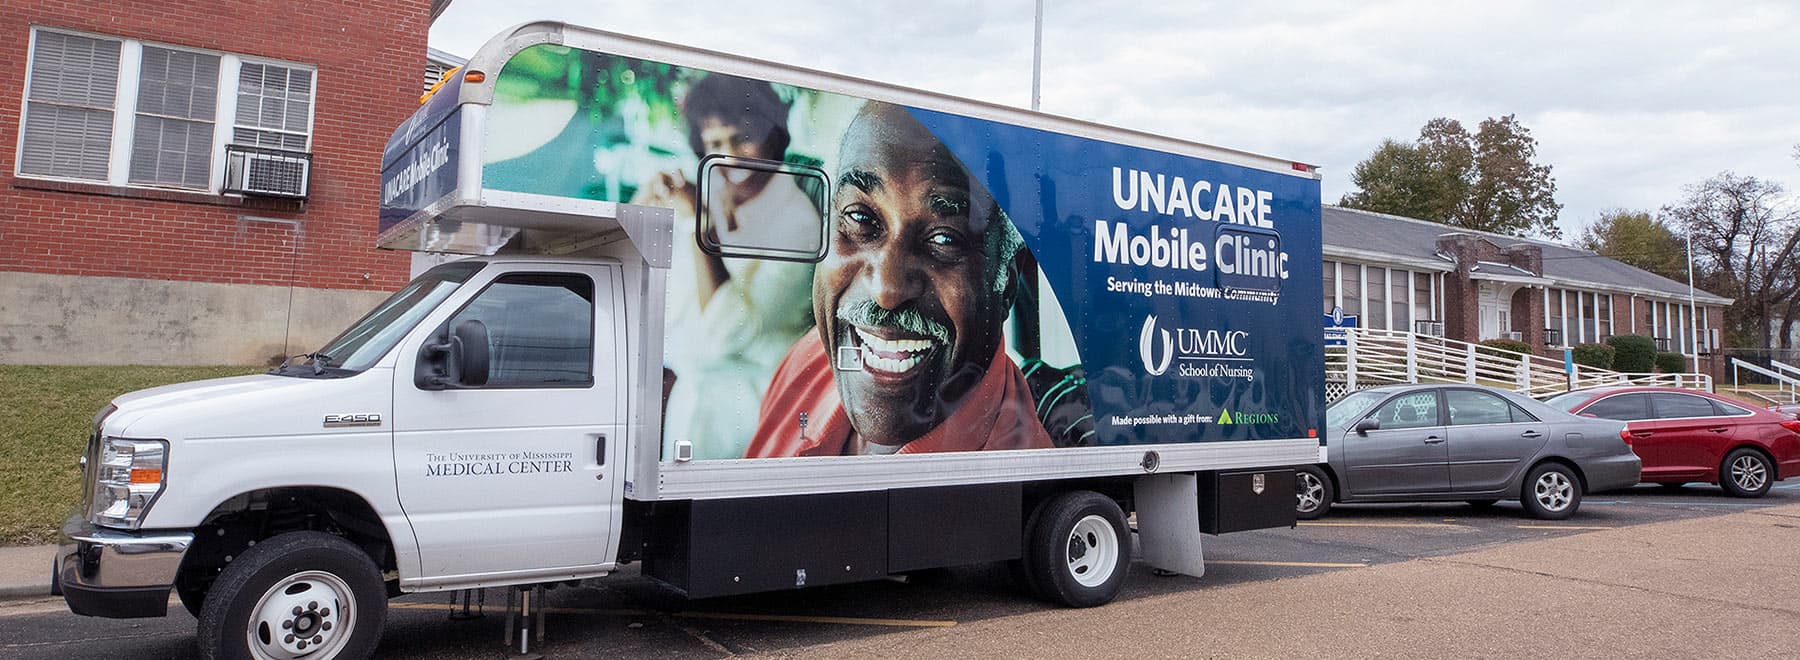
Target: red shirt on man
<point x="997" y="414"/>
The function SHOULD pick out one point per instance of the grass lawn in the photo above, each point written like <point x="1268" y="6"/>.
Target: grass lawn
<point x="44" y="417"/>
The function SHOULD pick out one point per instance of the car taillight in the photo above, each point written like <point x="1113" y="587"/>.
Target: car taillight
<point x="1791" y="425"/>
<point x="1625" y="434"/>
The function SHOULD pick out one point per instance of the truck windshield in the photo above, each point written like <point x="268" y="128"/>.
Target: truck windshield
<point x="370" y="338"/>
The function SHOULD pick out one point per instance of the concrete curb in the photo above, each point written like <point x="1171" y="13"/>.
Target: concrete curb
<point x="23" y="591"/>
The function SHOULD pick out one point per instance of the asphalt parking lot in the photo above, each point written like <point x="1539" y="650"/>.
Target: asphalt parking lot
<point x="629" y="616"/>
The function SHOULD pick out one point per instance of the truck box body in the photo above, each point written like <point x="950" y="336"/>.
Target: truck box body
<point x="1160" y="299"/>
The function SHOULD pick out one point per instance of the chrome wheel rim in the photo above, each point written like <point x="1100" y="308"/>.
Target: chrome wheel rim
<point x="1554" y="491"/>
<point x="1309" y="491"/>
<point x="1749" y="473"/>
<point x="306" y="615"/>
<point x="1092" y="551"/>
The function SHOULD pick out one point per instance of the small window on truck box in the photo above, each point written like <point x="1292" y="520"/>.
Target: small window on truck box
<point x="763" y="209"/>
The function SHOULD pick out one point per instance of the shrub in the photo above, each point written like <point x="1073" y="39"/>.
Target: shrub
<point x="1633" y="353"/>
<point x="1504" y="345"/>
<point x="1671" y="363"/>
<point x="1598" y="356"/>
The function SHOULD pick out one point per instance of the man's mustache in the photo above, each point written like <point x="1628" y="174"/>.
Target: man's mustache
<point x="868" y="314"/>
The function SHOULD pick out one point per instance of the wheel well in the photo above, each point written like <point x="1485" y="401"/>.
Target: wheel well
<point x="1337" y="485"/>
<point x="1774" y="467"/>
<point x="1579" y="475"/>
<point x="242" y="521"/>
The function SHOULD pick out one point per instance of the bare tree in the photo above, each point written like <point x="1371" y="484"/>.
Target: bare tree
<point x="1745" y="242"/>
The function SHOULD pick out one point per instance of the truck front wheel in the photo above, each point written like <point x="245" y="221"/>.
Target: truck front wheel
<point x="299" y="594"/>
<point x="1078" y="549"/>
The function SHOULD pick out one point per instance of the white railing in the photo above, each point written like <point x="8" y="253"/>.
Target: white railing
<point x="1786" y="385"/>
<point x="1377" y="357"/>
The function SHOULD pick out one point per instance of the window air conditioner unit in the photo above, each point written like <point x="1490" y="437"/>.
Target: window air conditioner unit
<point x="267" y="172"/>
<point x="1513" y="335"/>
<point x="1429" y="328"/>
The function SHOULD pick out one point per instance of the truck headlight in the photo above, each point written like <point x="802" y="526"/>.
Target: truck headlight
<point x="127" y="478"/>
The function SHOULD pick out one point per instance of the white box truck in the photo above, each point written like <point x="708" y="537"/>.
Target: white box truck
<point x="750" y="326"/>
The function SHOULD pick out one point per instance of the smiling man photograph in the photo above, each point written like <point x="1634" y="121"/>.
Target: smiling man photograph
<point x="912" y="294"/>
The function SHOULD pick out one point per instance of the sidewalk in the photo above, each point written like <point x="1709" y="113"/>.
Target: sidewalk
<point x="1705" y="587"/>
<point x="25" y="572"/>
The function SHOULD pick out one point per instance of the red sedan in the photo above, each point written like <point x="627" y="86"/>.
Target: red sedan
<point x="1690" y="435"/>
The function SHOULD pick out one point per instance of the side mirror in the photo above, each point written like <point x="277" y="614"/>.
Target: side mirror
<point x="1367" y="424"/>
<point x="460" y="360"/>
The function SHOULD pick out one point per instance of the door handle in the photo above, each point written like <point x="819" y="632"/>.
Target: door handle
<point x="1531" y="434"/>
<point x="600" y="449"/>
<point x="1721" y="429"/>
<point x="1640" y="434"/>
<point x="1432" y="440"/>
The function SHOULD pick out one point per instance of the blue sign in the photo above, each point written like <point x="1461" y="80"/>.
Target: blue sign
<point x="1189" y="282"/>
<point x="1335" y="322"/>
<point x="418" y="164"/>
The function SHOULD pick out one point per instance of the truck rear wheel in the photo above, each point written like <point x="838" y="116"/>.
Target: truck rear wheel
<point x="300" y="594"/>
<point x="1078" y="549"/>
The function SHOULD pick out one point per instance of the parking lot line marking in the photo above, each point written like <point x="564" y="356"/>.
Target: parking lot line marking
<point x="1349" y="524"/>
<point x="790" y="618"/>
<point x="1565" y="527"/>
<point x="1742" y="504"/>
<point x="1296" y="564"/>
<point x="1789" y="486"/>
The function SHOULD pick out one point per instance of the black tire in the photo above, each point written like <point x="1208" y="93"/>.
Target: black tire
<point x="1313" y="492"/>
<point x="322" y="574"/>
<point x="1551" y="492"/>
<point x="1746" y="472"/>
<point x="1078" y="549"/>
<point x="1483" y="504"/>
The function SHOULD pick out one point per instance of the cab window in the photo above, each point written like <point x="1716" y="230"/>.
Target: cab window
<point x="540" y="329"/>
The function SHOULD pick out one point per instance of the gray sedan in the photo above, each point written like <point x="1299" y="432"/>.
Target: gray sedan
<point x="1434" y="443"/>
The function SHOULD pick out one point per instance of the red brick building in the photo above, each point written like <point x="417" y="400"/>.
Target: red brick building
<point x="129" y="232"/>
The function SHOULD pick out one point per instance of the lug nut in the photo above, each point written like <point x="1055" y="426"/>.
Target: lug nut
<point x="312" y="605"/>
<point x="287" y="625"/>
<point x="297" y="610"/>
<point x="325" y="626"/>
<point x="289" y="639"/>
<point x="325" y="612"/>
<point x="318" y="639"/>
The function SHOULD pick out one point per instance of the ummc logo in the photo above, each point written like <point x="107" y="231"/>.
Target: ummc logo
<point x="1147" y="341"/>
<point x="1158" y="348"/>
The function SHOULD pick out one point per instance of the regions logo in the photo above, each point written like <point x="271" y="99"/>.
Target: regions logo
<point x="1226" y="417"/>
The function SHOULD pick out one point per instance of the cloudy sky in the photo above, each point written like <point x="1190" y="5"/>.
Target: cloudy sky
<point x="1629" y="101"/>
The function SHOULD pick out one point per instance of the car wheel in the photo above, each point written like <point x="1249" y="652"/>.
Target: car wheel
<point x="297" y="594"/>
<point x="1312" y="492"/>
<point x="1551" y="492"/>
<point x="1746" y="473"/>
<point x="1078" y="550"/>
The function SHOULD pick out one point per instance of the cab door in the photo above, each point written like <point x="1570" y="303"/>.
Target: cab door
<point x="516" y="478"/>
<point x="1407" y="454"/>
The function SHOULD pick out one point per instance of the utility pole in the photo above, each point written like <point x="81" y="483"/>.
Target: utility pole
<point x="1037" y="54"/>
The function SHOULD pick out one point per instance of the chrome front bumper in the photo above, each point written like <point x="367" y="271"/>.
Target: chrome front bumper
<point x="117" y="574"/>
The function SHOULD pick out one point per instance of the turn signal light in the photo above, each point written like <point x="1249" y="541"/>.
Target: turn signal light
<point x="1791" y="425"/>
<point x="146" y="476"/>
<point x="474" y="77"/>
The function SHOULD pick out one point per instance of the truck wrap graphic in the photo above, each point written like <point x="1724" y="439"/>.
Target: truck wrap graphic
<point x="983" y="285"/>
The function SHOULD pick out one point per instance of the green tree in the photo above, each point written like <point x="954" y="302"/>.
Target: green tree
<point x="1636" y="238"/>
<point x="1746" y="246"/>
<point x="1487" y="181"/>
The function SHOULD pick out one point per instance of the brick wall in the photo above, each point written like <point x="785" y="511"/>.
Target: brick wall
<point x="369" y="57"/>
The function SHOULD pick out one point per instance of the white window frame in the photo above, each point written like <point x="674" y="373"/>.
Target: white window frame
<point x="124" y="130"/>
